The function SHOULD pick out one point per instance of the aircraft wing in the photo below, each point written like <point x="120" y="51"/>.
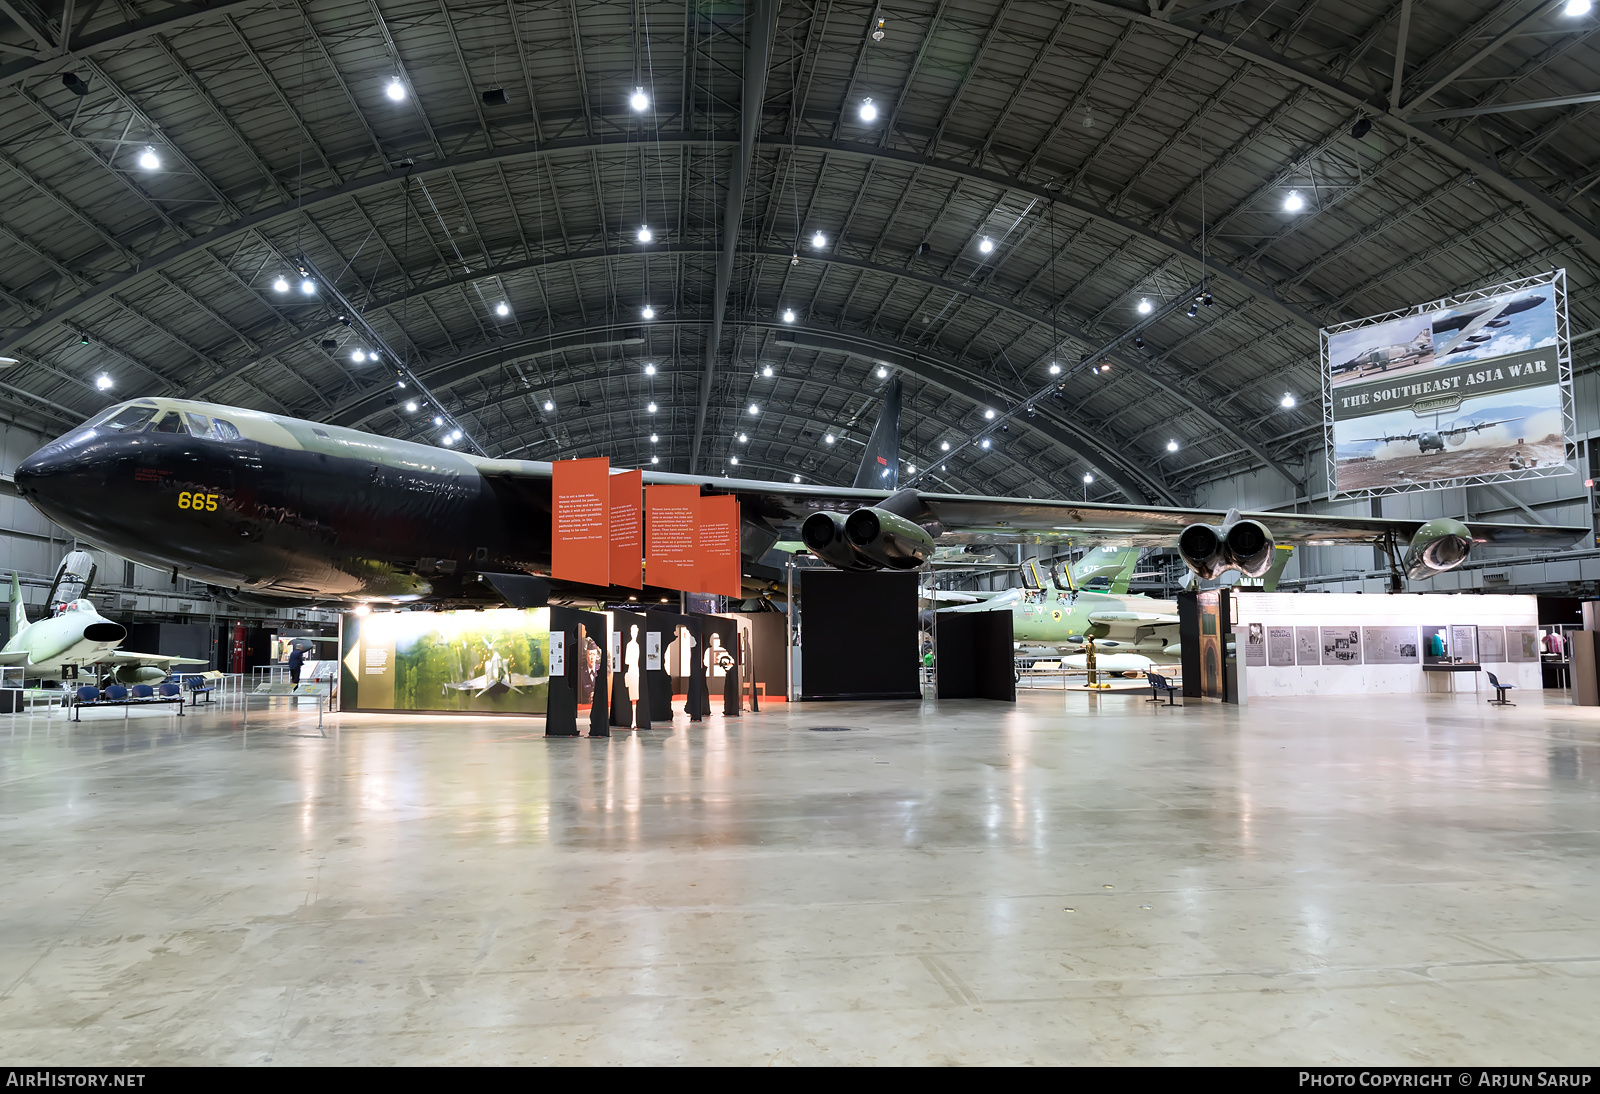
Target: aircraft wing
<point x="1385" y="440"/>
<point x="1470" y="327"/>
<point x="19" y="657"/>
<point x="970" y="518"/>
<point x="128" y="657"/>
<point x="1475" y="426"/>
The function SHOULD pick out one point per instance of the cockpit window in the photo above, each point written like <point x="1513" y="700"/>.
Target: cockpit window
<point x="226" y="431"/>
<point x="200" y="425"/>
<point x="128" y="420"/>
<point x="171" y="422"/>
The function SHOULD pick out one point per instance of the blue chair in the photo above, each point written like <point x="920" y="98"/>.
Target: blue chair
<point x="116" y="693"/>
<point x="87" y="694"/>
<point x="1159" y="684"/>
<point x="169" y="690"/>
<point x="197" y="687"/>
<point x="143" y="691"/>
<point x="1500" y="691"/>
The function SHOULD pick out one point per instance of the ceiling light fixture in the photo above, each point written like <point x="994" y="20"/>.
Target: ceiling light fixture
<point x="733" y="460"/>
<point x="819" y="241"/>
<point x="944" y="446"/>
<point x="986" y="245"/>
<point x="1287" y="401"/>
<point x="869" y="112"/>
<point x="1294" y="202"/>
<point x="455" y="434"/>
<point x="358" y="356"/>
<point x="396" y="90"/>
<point x="1145" y="307"/>
<point x="648" y="312"/>
<point x="797" y="478"/>
<point x="411" y="407"/>
<point x="1172" y="446"/>
<point x="649" y="370"/>
<point x="438" y="420"/>
<point x="447" y="440"/>
<point x="1055" y="369"/>
<point x="308" y="286"/>
<point x="754" y="409"/>
<point x="984" y="443"/>
<point x="883" y="373"/>
<point x="654" y="438"/>
<point x="639" y="100"/>
<point x="655" y="459"/>
<point x="549" y="405"/>
<point x="149" y="160"/>
<point x="1087" y="479"/>
<point x="280" y="285"/>
<point x="788" y="315"/>
<point x="502" y="308"/>
<point x="1576" y="8"/>
<point x="743" y="438"/>
<point x="651" y="409"/>
<point x="989" y="413"/>
<point x="103" y="382"/>
<point x="911" y="469"/>
<point x="644" y="233"/>
<point x="827" y="438"/>
<point x="1191" y="312"/>
<point x="767" y="372"/>
<point x="1138" y="342"/>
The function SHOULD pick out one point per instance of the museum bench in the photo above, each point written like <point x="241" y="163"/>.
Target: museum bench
<point x="1158" y="685"/>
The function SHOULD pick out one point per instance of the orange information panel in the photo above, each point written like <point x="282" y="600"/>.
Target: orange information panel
<point x="580" y="521"/>
<point x="671" y="555"/>
<point x="627" y="529"/>
<point x="718" y="539"/>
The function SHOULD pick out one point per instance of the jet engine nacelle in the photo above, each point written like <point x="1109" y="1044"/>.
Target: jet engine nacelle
<point x="887" y="539"/>
<point x="824" y="535"/>
<point x="1243" y="545"/>
<point x="1439" y="545"/>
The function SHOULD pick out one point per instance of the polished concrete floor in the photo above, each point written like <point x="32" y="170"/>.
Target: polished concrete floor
<point x="1078" y="879"/>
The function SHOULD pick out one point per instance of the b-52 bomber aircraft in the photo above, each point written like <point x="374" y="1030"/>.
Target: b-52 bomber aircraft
<point x="277" y="506"/>
<point x="1435" y="439"/>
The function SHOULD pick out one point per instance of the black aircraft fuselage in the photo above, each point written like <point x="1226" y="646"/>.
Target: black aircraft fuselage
<point x="256" y="502"/>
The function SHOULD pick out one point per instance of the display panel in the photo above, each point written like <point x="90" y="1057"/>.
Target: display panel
<point x="1470" y="388"/>
<point x="490" y="662"/>
<point x="672" y="514"/>
<point x="580" y="521"/>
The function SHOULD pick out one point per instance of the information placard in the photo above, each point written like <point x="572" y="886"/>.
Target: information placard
<point x="717" y="537"/>
<point x="671" y="554"/>
<point x="580" y="521"/>
<point x="627" y="529"/>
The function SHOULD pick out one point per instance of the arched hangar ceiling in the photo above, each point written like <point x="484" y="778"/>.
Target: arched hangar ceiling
<point x="473" y="177"/>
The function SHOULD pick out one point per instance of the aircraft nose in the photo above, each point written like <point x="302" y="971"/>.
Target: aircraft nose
<point x="105" y="632"/>
<point x="49" y="463"/>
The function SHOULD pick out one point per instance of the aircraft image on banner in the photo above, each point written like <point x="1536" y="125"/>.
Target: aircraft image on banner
<point x="1470" y="329"/>
<point x="497" y="678"/>
<point x="75" y="635"/>
<point x="280" y="507"/>
<point x="1435" y="439"/>
<point x="1418" y="351"/>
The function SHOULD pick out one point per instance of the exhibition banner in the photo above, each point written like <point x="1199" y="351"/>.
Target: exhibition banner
<point x="491" y="662"/>
<point x="580" y="521"/>
<point x="717" y="538"/>
<point x="671" y="553"/>
<point x="1471" y="388"/>
<point x="627" y="529"/>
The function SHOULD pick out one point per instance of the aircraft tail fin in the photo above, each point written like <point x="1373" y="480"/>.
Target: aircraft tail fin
<point x="1124" y="578"/>
<point x="880" y="463"/>
<point x="19" y="609"/>
<point x="1107" y="562"/>
<point x="1280" y="558"/>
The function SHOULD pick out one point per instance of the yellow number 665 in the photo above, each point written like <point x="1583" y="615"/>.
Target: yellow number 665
<point x="207" y="502"/>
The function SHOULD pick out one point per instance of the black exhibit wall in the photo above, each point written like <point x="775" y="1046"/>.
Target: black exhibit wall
<point x="1189" y="643"/>
<point x="664" y="626"/>
<point x="628" y="643"/>
<point x="975" y="656"/>
<point x="582" y="679"/>
<point x="769" y="666"/>
<point x="858" y="635"/>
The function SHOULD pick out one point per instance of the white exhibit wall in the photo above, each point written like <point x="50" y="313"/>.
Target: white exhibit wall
<point x="1360" y="612"/>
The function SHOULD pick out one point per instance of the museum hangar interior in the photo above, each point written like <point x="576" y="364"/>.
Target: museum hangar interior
<point x="424" y="425"/>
